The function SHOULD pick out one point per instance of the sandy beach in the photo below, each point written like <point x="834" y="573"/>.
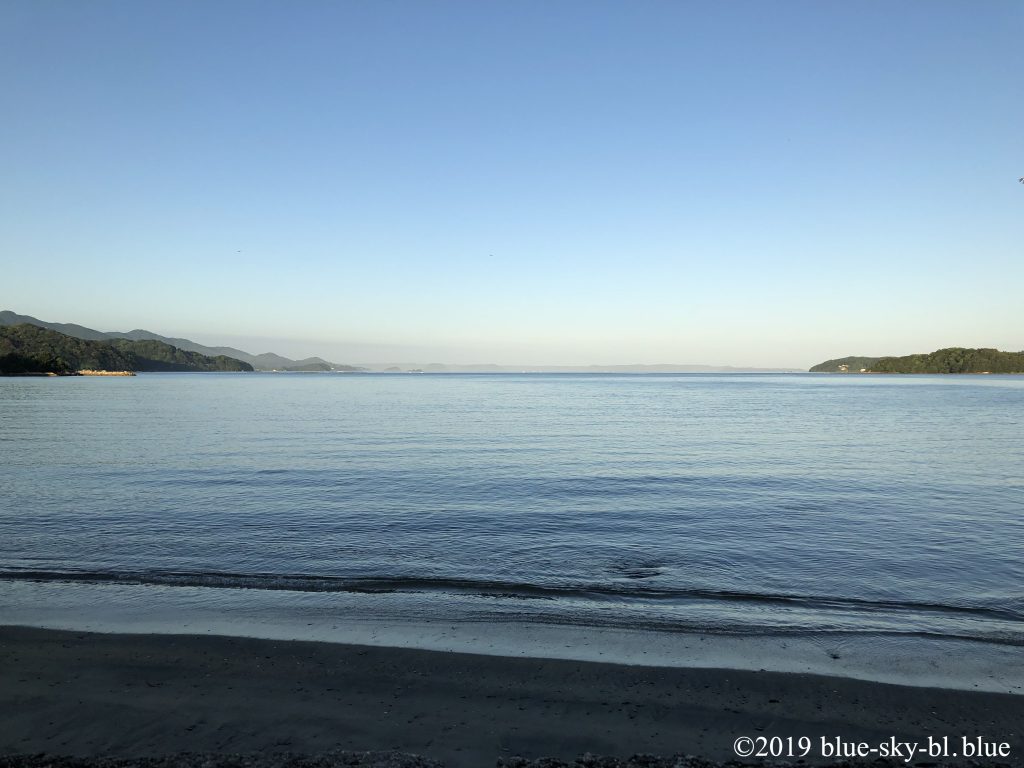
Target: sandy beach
<point x="84" y="694"/>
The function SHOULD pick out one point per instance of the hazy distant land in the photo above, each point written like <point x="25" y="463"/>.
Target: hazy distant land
<point x="634" y="368"/>
<point x="70" y="347"/>
<point x="270" y="361"/>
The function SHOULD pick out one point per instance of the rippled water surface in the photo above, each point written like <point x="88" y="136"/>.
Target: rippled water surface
<point x="720" y="503"/>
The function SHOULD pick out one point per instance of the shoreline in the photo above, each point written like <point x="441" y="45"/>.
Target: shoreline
<point x="65" y="374"/>
<point x="91" y="694"/>
<point x="456" y="624"/>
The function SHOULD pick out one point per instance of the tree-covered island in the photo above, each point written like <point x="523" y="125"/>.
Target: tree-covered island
<point x="950" y="360"/>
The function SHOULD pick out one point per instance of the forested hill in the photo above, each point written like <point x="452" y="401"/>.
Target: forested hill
<point x="30" y="349"/>
<point x="268" y="361"/>
<point x="954" y="360"/>
<point x="951" y="360"/>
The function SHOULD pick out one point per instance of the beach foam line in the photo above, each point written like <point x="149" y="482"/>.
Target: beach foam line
<point x="500" y="589"/>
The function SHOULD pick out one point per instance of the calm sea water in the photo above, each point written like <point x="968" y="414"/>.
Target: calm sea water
<point x="711" y="503"/>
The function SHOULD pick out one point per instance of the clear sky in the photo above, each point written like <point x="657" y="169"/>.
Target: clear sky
<point x="518" y="181"/>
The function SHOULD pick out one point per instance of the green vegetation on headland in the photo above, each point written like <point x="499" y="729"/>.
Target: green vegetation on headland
<point x="30" y="349"/>
<point x="954" y="360"/>
<point x="268" y="361"/>
<point x="846" y="365"/>
<point x="951" y="360"/>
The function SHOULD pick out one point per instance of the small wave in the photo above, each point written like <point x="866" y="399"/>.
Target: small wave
<point x="632" y="592"/>
<point x="637" y="571"/>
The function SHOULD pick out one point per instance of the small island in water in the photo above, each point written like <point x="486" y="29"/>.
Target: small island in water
<point x="28" y="349"/>
<point x="949" y="360"/>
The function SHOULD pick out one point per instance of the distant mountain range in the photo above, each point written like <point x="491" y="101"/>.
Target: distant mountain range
<point x="268" y="361"/>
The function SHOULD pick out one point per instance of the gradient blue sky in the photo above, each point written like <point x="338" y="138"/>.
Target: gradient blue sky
<point x="748" y="183"/>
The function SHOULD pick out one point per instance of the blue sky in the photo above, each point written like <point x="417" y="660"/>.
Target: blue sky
<point x="747" y="183"/>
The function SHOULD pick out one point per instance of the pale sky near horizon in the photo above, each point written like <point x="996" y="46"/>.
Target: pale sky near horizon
<point x="734" y="183"/>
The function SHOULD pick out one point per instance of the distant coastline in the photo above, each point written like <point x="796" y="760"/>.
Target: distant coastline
<point x="272" y="362"/>
<point x="74" y="349"/>
<point x="71" y="373"/>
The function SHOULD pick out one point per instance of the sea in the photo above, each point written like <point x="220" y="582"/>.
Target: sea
<point x="856" y="525"/>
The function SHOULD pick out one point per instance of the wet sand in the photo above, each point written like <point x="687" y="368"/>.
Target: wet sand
<point x="84" y="694"/>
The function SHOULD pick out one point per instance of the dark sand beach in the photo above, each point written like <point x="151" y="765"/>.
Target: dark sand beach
<point x="85" y="694"/>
